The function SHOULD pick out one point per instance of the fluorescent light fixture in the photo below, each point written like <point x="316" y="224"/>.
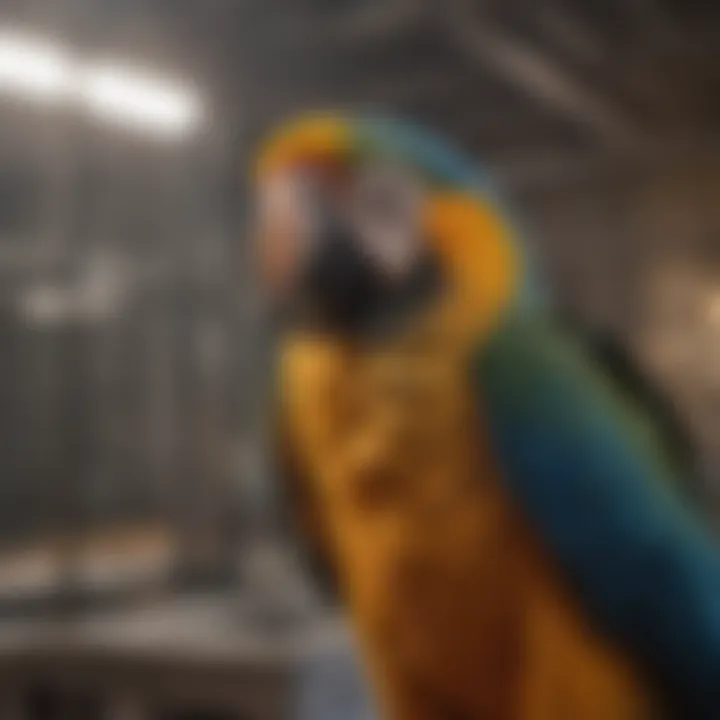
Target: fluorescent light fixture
<point x="129" y="97"/>
<point x="34" y="68"/>
<point x="37" y="69"/>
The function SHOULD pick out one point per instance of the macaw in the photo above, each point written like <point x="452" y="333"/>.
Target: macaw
<point x="496" y="505"/>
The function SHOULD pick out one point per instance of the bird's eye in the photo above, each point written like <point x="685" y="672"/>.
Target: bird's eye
<point x="388" y="194"/>
<point x="387" y="207"/>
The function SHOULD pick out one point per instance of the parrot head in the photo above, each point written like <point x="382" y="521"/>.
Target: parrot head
<point x="361" y="222"/>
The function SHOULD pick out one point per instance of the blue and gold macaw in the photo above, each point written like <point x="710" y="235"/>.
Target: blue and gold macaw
<point x="499" y="509"/>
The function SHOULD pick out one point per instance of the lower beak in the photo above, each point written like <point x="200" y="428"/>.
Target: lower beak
<point x="340" y="287"/>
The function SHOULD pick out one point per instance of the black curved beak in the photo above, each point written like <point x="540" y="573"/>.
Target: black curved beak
<point x="341" y="290"/>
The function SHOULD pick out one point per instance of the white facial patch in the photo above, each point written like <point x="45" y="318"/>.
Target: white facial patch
<point x="386" y="211"/>
<point x="286" y="226"/>
<point x="285" y="205"/>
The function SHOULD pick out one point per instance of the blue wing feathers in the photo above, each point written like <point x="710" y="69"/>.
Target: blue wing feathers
<point x="597" y="491"/>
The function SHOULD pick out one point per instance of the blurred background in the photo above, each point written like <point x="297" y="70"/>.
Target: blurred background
<point x="136" y="574"/>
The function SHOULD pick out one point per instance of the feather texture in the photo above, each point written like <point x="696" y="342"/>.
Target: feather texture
<point x="598" y="486"/>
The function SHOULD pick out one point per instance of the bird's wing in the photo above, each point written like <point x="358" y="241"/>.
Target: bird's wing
<point x="593" y="480"/>
<point x="650" y="402"/>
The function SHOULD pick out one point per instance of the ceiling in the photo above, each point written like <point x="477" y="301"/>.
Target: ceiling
<point x="521" y="83"/>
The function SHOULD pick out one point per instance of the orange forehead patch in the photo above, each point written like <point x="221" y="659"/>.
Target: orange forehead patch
<point x="322" y="139"/>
